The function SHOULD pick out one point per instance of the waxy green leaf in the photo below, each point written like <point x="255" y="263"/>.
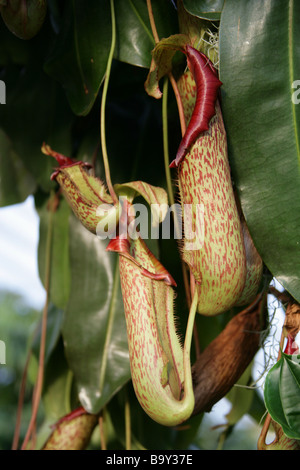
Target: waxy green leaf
<point x="54" y="323"/>
<point x="36" y="110"/>
<point x="79" y="56"/>
<point x="206" y="9"/>
<point x="57" y="385"/>
<point x="282" y="394"/>
<point x="58" y="223"/>
<point x="134" y="35"/>
<point x="259" y="64"/>
<point x="12" y="50"/>
<point x="16" y="181"/>
<point x="94" y="329"/>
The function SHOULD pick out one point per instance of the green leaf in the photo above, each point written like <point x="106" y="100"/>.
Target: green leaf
<point x="259" y="62"/>
<point x="282" y="394"/>
<point x="59" y="284"/>
<point x="16" y="181"/>
<point x="54" y="323"/>
<point x="134" y="35"/>
<point x="12" y="50"/>
<point x="206" y="9"/>
<point x="57" y="386"/>
<point x="36" y="110"/>
<point x="94" y="328"/>
<point x="290" y="392"/>
<point x="79" y="56"/>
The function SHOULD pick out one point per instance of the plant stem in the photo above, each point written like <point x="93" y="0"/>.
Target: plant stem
<point x="168" y="174"/>
<point x="166" y="144"/>
<point x="263" y="435"/>
<point x="21" y="403"/>
<point x="103" y="106"/>
<point x="189" y="287"/>
<point x="171" y="78"/>
<point x="127" y="421"/>
<point x="40" y="376"/>
<point x="179" y="104"/>
<point x="189" y="290"/>
<point x="152" y="22"/>
<point x="102" y="431"/>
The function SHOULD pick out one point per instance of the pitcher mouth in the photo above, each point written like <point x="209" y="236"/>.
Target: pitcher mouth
<point x="123" y="246"/>
<point x="62" y="160"/>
